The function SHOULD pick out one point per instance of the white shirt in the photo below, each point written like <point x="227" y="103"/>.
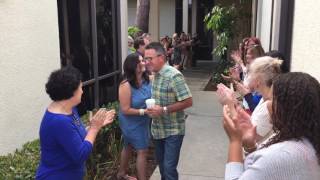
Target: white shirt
<point x="288" y="160"/>
<point x="261" y="118"/>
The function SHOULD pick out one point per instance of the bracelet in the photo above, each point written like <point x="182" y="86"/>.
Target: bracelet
<point x="141" y="112"/>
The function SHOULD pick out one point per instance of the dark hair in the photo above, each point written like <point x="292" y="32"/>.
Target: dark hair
<point x="279" y="55"/>
<point x="63" y="83"/>
<point x="157" y="47"/>
<point x="129" y="68"/>
<point x="296" y="109"/>
<point x="275" y="54"/>
<point x="139" y="41"/>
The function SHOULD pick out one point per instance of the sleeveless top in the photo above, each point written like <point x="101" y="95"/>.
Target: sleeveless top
<point x="138" y="98"/>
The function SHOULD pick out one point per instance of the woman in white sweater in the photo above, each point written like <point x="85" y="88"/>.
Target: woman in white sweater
<point x="293" y="153"/>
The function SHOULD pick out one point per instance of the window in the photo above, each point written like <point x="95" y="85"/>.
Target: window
<point x="178" y="25"/>
<point x="89" y="41"/>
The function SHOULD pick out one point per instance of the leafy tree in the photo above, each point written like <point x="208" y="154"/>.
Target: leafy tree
<point x="222" y="20"/>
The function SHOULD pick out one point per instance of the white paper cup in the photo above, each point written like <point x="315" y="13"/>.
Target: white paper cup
<point x="150" y="103"/>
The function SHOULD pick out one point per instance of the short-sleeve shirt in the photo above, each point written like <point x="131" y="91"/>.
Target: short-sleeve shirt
<point x="169" y="87"/>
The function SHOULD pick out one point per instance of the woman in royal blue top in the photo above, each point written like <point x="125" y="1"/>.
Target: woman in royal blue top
<point x="134" y="123"/>
<point x="65" y="143"/>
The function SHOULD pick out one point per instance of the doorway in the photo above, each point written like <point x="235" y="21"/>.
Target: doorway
<point x="203" y="51"/>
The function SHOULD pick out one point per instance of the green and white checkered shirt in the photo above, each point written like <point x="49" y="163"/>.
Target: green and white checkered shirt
<point x="169" y="87"/>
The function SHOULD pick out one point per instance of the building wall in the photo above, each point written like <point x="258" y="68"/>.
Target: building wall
<point x="264" y="15"/>
<point x="29" y="51"/>
<point x="132" y="7"/>
<point x="167" y="15"/>
<point x="306" y="39"/>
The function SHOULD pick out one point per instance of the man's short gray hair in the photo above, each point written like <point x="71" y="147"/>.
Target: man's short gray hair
<point x="157" y="47"/>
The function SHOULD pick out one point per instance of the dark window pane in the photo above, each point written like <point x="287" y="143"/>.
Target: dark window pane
<point x="76" y="47"/>
<point x="75" y="35"/>
<point x="108" y="90"/>
<point x="105" y="36"/>
<point x="178" y="27"/>
<point x="87" y="101"/>
<point x="80" y="37"/>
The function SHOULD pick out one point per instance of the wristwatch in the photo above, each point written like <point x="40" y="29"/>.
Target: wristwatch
<point x="165" y="110"/>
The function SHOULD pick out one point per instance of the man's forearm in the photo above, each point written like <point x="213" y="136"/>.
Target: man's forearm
<point x="180" y="105"/>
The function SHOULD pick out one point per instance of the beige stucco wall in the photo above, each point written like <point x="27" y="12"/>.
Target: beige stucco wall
<point x="167" y="17"/>
<point x="132" y="7"/>
<point x="306" y="38"/>
<point x="29" y="51"/>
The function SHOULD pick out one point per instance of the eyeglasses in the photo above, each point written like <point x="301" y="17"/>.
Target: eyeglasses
<point x="150" y="58"/>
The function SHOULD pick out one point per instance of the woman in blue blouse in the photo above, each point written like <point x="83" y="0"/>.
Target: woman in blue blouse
<point x="134" y="122"/>
<point x="65" y="143"/>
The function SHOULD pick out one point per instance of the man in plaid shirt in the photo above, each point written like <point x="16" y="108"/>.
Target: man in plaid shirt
<point x="172" y="96"/>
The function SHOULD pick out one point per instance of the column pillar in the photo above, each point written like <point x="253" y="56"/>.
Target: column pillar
<point x="154" y="16"/>
<point x="254" y="17"/>
<point x="185" y="8"/>
<point x="124" y="29"/>
<point x="194" y="16"/>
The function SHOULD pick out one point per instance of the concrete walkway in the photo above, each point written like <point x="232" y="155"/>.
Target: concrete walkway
<point x="204" y="150"/>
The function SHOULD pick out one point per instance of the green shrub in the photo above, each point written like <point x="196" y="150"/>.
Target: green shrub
<point x="106" y="150"/>
<point x="23" y="163"/>
<point x="133" y="30"/>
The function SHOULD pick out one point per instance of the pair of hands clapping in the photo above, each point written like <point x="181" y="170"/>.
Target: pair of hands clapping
<point x="226" y="96"/>
<point x="236" y="121"/>
<point x="102" y="118"/>
<point x="234" y="72"/>
<point x="238" y="126"/>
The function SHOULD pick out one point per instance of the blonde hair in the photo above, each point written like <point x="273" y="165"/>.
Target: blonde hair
<point x="266" y="68"/>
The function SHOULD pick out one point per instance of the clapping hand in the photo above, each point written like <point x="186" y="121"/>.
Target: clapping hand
<point x="242" y="89"/>
<point x="234" y="74"/>
<point x="225" y="95"/>
<point x="239" y="127"/>
<point x="102" y="118"/>
<point x="236" y="56"/>
<point x="109" y="117"/>
<point x="226" y="78"/>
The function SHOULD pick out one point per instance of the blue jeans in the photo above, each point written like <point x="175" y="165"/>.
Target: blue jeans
<point x="168" y="152"/>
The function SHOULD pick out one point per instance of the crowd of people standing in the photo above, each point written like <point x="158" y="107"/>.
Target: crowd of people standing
<point x="178" y="48"/>
<point x="273" y="131"/>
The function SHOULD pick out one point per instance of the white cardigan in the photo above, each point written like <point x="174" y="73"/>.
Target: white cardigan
<point x="288" y="160"/>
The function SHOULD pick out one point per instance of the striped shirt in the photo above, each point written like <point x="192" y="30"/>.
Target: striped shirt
<point x="169" y="87"/>
<point x="288" y="160"/>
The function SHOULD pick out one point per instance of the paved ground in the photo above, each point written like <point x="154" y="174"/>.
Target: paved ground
<point x="204" y="150"/>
